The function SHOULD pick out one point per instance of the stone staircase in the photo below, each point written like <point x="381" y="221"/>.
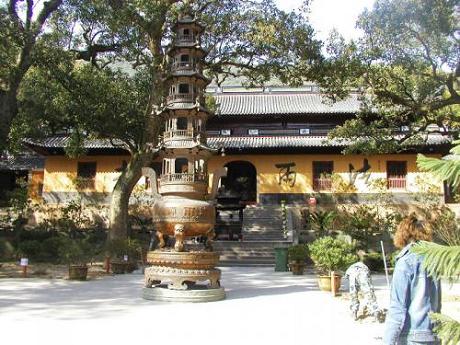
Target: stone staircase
<point x="262" y="231"/>
<point x="263" y="223"/>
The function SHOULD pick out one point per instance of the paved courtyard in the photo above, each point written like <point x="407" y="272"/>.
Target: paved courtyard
<point x="262" y="307"/>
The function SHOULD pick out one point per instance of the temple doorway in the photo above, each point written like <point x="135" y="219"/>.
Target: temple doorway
<point x="241" y="180"/>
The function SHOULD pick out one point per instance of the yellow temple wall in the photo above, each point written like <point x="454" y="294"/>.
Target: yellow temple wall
<point x="61" y="172"/>
<point x="268" y="174"/>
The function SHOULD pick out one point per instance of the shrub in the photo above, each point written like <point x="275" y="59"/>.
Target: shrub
<point x="374" y="261"/>
<point x="51" y="248"/>
<point x="118" y="248"/>
<point x="31" y="249"/>
<point x="75" y="252"/>
<point x="298" y="252"/>
<point x="322" y="221"/>
<point x="6" y="249"/>
<point x="331" y="254"/>
<point x="392" y="258"/>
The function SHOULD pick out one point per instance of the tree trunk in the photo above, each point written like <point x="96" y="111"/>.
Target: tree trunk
<point x="8" y="111"/>
<point x="121" y="193"/>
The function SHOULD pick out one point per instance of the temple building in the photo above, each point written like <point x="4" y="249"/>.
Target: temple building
<point x="274" y="146"/>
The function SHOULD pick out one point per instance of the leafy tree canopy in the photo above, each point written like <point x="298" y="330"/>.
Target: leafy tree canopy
<point x="406" y="68"/>
<point x="99" y="69"/>
<point x="125" y="44"/>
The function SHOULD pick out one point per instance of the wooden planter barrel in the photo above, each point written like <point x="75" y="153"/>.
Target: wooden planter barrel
<point x="78" y="272"/>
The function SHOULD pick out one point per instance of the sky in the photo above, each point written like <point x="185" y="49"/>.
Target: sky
<point x="328" y="14"/>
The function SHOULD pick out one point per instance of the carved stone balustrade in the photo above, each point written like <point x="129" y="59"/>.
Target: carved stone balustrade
<point x="181" y="98"/>
<point x="183" y="183"/>
<point x="182" y="39"/>
<point x="183" y="66"/>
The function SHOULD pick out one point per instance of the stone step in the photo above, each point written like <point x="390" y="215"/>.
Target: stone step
<point x="264" y="236"/>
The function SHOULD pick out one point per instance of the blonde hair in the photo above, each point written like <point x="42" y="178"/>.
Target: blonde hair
<point x="412" y="229"/>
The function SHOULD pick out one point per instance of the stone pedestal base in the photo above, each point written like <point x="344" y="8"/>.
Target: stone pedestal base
<point x="202" y="294"/>
<point x="182" y="277"/>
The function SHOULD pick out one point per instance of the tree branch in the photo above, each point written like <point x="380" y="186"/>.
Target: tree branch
<point x="91" y="52"/>
<point x="30" y="7"/>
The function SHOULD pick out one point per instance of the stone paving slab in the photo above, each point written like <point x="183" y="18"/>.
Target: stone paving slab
<point x="262" y="307"/>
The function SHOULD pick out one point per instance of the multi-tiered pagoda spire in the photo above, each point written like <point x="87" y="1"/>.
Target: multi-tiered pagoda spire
<point x="183" y="210"/>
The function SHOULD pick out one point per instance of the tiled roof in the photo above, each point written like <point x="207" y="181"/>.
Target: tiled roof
<point x="233" y="142"/>
<point x="63" y="141"/>
<point x="257" y="104"/>
<point x="271" y="142"/>
<point x="255" y="142"/>
<point x="22" y="162"/>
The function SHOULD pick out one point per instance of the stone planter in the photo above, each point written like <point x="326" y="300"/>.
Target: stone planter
<point x="131" y="267"/>
<point x="119" y="267"/>
<point x="297" y="268"/>
<point x="324" y="282"/>
<point x="78" y="272"/>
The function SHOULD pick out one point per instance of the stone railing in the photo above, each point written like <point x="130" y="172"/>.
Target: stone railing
<point x="183" y="66"/>
<point x="178" y="133"/>
<point x="185" y="39"/>
<point x="183" y="178"/>
<point x="181" y="98"/>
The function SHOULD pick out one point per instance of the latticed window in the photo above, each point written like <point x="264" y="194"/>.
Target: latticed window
<point x="86" y="175"/>
<point x="396" y="174"/>
<point x="322" y="172"/>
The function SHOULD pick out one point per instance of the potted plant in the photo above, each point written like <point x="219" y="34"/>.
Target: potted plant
<point x="123" y="255"/>
<point x="76" y="254"/>
<point x="321" y="222"/>
<point x="331" y="255"/>
<point x="297" y="255"/>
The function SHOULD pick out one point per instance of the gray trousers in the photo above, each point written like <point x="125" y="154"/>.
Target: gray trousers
<point x="363" y="283"/>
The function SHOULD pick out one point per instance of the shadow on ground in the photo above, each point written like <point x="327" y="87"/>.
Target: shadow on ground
<point x="118" y="294"/>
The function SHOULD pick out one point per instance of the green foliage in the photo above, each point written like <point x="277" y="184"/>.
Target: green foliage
<point x="298" y="252"/>
<point x="447" y="329"/>
<point x="75" y="252"/>
<point x="444" y="222"/>
<point x="118" y="248"/>
<point x="405" y="70"/>
<point x="339" y="185"/>
<point x="322" y="221"/>
<point x="362" y="224"/>
<point x="31" y="249"/>
<point x="448" y="170"/>
<point x="440" y="261"/>
<point x="6" y="249"/>
<point x="51" y="248"/>
<point x="331" y="254"/>
<point x="393" y="257"/>
<point x="20" y="205"/>
<point x="114" y="67"/>
<point x="374" y="261"/>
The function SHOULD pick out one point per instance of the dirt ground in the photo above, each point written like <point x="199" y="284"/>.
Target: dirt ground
<point x="47" y="271"/>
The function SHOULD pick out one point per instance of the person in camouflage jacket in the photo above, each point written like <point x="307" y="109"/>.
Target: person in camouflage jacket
<point x="360" y="280"/>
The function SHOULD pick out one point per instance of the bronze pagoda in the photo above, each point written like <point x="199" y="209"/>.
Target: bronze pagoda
<point x="184" y="209"/>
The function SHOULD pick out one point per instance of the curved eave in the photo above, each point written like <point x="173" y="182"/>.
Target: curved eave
<point x="188" y="23"/>
<point x="186" y="106"/>
<point x="192" y="74"/>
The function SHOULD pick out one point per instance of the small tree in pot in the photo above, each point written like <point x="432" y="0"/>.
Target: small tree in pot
<point x="123" y="255"/>
<point x="76" y="254"/>
<point x="297" y="255"/>
<point x="330" y="254"/>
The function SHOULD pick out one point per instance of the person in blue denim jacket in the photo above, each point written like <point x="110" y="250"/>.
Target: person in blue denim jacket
<point x="413" y="293"/>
